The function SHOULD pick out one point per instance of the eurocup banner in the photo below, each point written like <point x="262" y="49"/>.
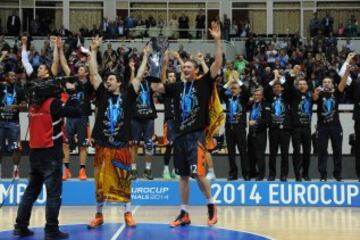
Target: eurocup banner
<point x="237" y="193"/>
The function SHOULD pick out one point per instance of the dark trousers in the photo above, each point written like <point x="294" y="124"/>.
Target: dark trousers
<point x="301" y="138"/>
<point x="357" y="147"/>
<point x="334" y="133"/>
<point x="279" y="137"/>
<point x="256" y="153"/>
<point x="236" y="136"/>
<point x="45" y="168"/>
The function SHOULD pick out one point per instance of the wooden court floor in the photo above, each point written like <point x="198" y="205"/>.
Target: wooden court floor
<point x="274" y="222"/>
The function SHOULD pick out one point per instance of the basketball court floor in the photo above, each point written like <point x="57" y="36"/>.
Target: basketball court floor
<point x="235" y="223"/>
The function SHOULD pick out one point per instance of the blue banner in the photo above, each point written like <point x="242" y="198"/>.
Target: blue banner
<point x="237" y="193"/>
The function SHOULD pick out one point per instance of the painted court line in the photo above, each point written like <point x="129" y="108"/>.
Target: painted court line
<point x="122" y="228"/>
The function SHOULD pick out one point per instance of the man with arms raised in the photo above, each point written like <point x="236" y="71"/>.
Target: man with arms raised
<point x="191" y="99"/>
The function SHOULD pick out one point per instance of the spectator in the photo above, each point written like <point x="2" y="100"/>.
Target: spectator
<point x="314" y="25"/>
<point x="240" y="64"/>
<point x="348" y="46"/>
<point x="34" y="58"/>
<point x="227" y="26"/>
<point x="104" y="27"/>
<point x="34" y="26"/>
<point x="351" y="27"/>
<point x="121" y="28"/>
<point x="283" y="58"/>
<point x="183" y="26"/>
<point x="63" y="32"/>
<point x="341" y="30"/>
<point x="327" y="24"/>
<point x="109" y="55"/>
<point x="150" y="22"/>
<point x="250" y="47"/>
<point x="200" y="24"/>
<point x="173" y="27"/>
<point x="13" y="25"/>
<point x="130" y="22"/>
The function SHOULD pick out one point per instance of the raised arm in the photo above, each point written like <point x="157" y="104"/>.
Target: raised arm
<point x="215" y="32"/>
<point x="55" y="62"/>
<point x="164" y="67"/>
<point x="25" y="58"/>
<point x="95" y="78"/>
<point x="201" y="59"/>
<point x="342" y="84"/>
<point x="132" y="69"/>
<point x="63" y="61"/>
<point x="136" y="81"/>
<point x="344" y="67"/>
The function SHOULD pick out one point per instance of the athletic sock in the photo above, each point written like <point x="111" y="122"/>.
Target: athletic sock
<point x="16" y="167"/>
<point x="99" y="207"/>
<point x="66" y="165"/>
<point x="166" y="168"/>
<point x="211" y="170"/>
<point x="133" y="166"/>
<point x="183" y="207"/>
<point x="148" y="165"/>
<point x="127" y="207"/>
<point x="211" y="200"/>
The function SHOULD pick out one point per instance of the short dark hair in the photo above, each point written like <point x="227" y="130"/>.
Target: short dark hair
<point x="119" y="77"/>
<point x="196" y="65"/>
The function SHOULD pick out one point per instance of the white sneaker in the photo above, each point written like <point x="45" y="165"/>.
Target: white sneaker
<point x="16" y="174"/>
<point x="91" y="150"/>
<point x="166" y="175"/>
<point x="210" y="176"/>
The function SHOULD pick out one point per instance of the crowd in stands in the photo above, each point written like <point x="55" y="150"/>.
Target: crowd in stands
<point x="261" y="66"/>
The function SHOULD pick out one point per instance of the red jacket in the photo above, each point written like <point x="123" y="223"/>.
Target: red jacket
<point x="41" y="125"/>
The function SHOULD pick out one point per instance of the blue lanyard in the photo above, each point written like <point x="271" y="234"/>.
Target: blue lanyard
<point x="144" y="95"/>
<point x="186" y="101"/>
<point x="233" y="108"/>
<point x="113" y="113"/>
<point x="9" y="99"/>
<point x="255" y="112"/>
<point x="278" y="106"/>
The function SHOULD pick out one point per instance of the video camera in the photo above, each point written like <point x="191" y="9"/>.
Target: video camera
<point x="39" y="90"/>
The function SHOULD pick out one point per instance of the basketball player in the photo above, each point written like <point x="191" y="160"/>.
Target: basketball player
<point x="191" y="101"/>
<point x="111" y="135"/>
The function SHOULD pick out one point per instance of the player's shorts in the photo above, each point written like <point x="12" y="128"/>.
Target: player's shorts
<point x="10" y="133"/>
<point x="112" y="173"/>
<point x="169" y="132"/>
<point x="78" y="127"/>
<point x="143" y="129"/>
<point x="189" y="154"/>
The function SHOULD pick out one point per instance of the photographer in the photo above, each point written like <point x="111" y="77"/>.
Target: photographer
<point x="46" y="111"/>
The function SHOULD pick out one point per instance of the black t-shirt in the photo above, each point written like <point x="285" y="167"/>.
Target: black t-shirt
<point x="280" y="112"/>
<point x="191" y="101"/>
<point x="112" y="124"/>
<point x="301" y="109"/>
<point x="169" y="107"/>
<point x="236" y="106"/>
<point x="10" y="95"/>
<point x="260" y="113"/>
<point x="355" y="90"/>
<point x="328" y="108"/>
<point x="82" y="97"/>
<point x="143" y="107"/>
